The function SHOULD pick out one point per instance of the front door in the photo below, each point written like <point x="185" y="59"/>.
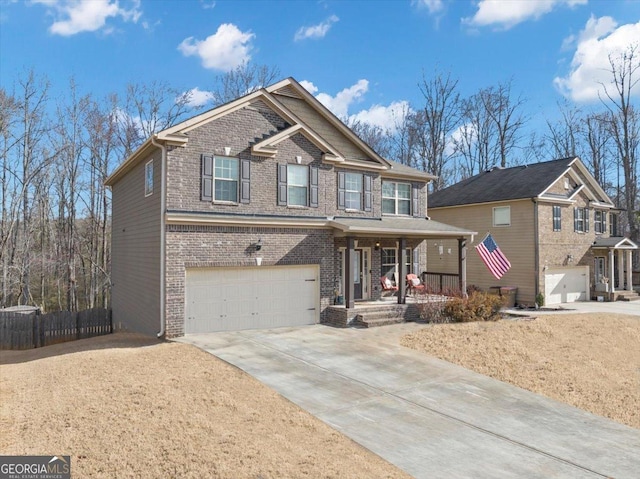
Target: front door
<point x="358" y="274"/>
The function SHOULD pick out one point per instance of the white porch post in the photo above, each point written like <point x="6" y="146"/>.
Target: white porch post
<point x="612" y="288"/>
<point x="629" y="268"/>
<point x="621" y="270"/>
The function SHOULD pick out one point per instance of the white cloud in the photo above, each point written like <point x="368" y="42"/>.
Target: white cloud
<point x="590" y="67"/>
<point x="388" y="118"/>
<point x="224" y="50"/>
<point x="76" y="16"/>
<point x="434" y="6"/>
<point x="310" y="87"/>
<point x="315" y="31"/>
<point x="196" y="98"/>
<point x="339" y="104"/>
<point x="508" y="13"/>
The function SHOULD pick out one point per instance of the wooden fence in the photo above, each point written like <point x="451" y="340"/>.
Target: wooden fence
<point x="26" y="331"/>
<point x="441" y="283"/>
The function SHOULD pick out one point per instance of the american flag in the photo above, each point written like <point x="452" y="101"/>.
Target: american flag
<point x="495" y="259"/>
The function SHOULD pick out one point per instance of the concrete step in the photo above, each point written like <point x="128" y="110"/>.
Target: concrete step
<point x="627" y="296"/>
<point x="368" y="322"/>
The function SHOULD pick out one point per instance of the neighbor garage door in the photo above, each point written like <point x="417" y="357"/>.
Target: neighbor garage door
<point x="228" y="299"/>
<point x="566" y="285"/>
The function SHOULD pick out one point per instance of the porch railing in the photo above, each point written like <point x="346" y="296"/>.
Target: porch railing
<point x="441" y="283"/>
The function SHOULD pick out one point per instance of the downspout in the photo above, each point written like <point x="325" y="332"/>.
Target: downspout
<point x="536" y="253"/>
<point x="163" y="209"/>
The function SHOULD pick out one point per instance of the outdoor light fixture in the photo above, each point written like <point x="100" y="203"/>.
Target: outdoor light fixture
<point x="258" y="245"/>
<point x="377" y="247"/>
<point x="569" y="258"/>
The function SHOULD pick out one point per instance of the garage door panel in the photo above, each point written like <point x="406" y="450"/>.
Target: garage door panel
<point x="566" y="285"/>
<point x="226" y="299"/>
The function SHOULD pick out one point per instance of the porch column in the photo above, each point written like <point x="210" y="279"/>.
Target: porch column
<point x="612" y="275"/>
<point x="348" y="274"/>
<point x="402" y="271"/>
<point x="620" y="270"/>
<point x="629" y="270"/>
<point x="462" y="265"/>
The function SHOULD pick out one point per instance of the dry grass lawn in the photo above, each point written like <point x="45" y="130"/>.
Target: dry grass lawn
<point x="591" y="361"/>
<point x="128" y="406"/>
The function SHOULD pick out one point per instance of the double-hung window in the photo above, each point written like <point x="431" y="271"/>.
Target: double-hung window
<point x="396" y="198"/>
<point x="390" y="259"/>
<point x="354" y="191"/>
<point x="600" y="221"/>
<point x="581" y="220"/>
<point x="297" y="185"/>
<point x="225" y="179"/>
<point x="557" y="218"/>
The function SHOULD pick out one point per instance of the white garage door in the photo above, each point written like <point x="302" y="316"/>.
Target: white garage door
<point x="228" y="299"/>
<point x="566" y="285"/>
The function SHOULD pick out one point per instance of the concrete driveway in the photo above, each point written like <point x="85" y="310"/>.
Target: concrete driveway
<point x="618" y="307"/>
<point x="430" y="418"/>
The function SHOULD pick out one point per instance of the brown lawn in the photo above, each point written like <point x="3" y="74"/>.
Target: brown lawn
<point x="591" y="361"/>
<point x="129" y="406"/>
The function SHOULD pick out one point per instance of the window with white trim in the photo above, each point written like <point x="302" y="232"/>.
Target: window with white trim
<point x="581" y="220"/>
<point x="353" y="191"/>
<point x="389" y="262"/>
<point x="396" y="198"/>
<point x="600" y="221"/>
<point x="502" y="216"/>
<point x="557" y="218"/>
<point x="297" y="185"/>
<point x="225" y="179"/>
<point x="148" y="178"/>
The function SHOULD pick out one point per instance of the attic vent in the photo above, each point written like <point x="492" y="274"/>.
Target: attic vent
<point x="566" y="183"/>
<point x="288" y="91"/>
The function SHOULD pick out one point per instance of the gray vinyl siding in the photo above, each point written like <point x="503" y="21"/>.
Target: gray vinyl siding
<point x="136" y="251"/>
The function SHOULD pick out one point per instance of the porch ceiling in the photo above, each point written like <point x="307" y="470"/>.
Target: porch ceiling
<point x="394" y="227"/>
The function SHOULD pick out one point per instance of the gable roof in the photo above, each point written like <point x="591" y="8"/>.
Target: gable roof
<point x="521" y="182"/>
<point x="357" y="153"/>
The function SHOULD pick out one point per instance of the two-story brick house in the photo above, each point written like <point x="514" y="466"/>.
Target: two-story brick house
<point x="554" y="223"/>
<point x="262" y="213"/>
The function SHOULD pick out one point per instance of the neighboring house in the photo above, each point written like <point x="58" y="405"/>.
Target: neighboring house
<point x="263" y="212"/>
<point x="554" y="223"/>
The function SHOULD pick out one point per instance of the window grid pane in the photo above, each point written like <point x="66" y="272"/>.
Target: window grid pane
<point x="353" y="191"/>
<point x="396" y="198"/>
<point x="226" y="179"/>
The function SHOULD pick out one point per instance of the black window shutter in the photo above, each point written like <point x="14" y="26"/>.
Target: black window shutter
<point x="416" y="200"/>
<point x="367" y="180"/>
<point x="341" y="188"/>
<point x="245" y="181"/>
<point x="206" y="188"/>
<point x="575" y="219"/>
<point x="282" y="185"/>
<point x="313" y="186"/>
<point x="603" y="228"/>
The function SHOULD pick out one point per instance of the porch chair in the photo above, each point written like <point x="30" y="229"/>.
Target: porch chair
<point x="414" y="285"/>
<point x="387" y="285"/>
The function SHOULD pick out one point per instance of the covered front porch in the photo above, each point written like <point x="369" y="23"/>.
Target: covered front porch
<point x="376" y="255"/>
<point x="613" y="271"/>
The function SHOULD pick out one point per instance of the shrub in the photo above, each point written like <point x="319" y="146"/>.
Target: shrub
<point x="476" y="307"/>
<point x="431" y="306"/>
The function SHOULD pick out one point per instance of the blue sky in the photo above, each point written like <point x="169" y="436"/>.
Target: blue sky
<point x="360" y="58"/>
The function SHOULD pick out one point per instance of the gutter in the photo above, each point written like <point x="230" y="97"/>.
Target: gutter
<point x="536" y="247"/>
<point x="163" y="209"/>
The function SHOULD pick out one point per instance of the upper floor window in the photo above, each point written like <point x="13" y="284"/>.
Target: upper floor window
<point x="600" y="221"/>
<point x="613" y="225"/>
<point x="225" y="179"/>
<point x="581" y="220"/>
<point x="354" y="191"/>
<point x="148" y="178"/>
<point x="502" y="216"/>
<point x="396" y="198"/>
<point x="297" y="185"/>
<point x="557" y="218"/>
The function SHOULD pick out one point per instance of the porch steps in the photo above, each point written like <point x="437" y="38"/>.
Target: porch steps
<point x="373" y="316"/>
<point x="627" y="296"/>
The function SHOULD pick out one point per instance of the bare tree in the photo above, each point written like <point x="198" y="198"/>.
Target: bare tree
<point x="372" y="135"/>
<point x="624" y="126"/>
<point x="474" y="141"/>
<point x="596" y="150"/>
<point x="435" y="123"/>
<point x="242" y="80"/>
<point x="504" y="112"/>
<point x="564" y="135"/>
